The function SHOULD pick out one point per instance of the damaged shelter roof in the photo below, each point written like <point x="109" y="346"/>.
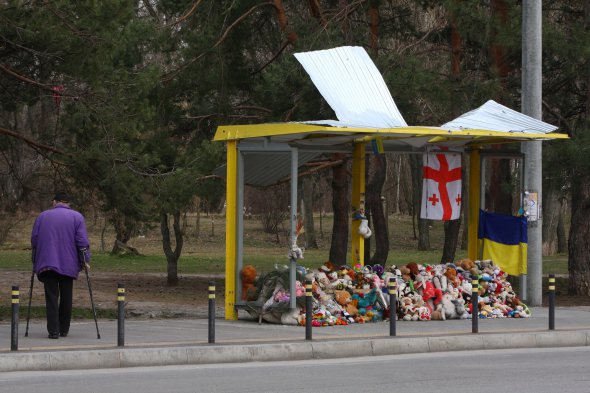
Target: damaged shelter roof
<point x="353" y="87"/>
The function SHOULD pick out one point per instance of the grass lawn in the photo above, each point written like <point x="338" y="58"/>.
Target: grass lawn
<point x="204" y="248"/>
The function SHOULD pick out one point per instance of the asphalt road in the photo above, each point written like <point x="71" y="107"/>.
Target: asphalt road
<point x="525" y="370"/>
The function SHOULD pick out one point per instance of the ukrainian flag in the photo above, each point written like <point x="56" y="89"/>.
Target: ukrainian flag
<point x="377" y="146"/>
<point x="503" y="239"/>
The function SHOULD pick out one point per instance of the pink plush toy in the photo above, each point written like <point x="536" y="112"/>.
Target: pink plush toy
<point x="299" y="289"/>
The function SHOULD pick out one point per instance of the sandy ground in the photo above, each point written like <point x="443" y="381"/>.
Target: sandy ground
<point x="147" y="294"/>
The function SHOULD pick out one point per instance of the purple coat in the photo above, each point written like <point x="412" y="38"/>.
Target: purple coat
<point x="57" y="235"/>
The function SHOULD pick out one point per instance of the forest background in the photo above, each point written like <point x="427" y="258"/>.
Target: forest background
<point x="116" y="102"/>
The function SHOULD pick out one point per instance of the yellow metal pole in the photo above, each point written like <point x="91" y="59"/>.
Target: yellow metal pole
<point x="231" y="230"/>
<point x="358" y="202"/>
<point x="474" y="197"/>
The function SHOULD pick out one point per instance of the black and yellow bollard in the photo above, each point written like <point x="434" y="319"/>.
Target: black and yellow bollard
<point x="14" y="324"/>
<point x="211" y="312"/>
<point x="392" y="285"/>
<point x="120" y="315"/>
<point x="308" y="310"/>
<point x="474" y="305"/>
<point x="552" y="302"/>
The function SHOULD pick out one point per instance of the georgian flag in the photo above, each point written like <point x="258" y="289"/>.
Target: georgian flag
<point x="441" y="186"/>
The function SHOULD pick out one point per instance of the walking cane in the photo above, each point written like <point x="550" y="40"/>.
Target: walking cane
<point x="30" y="298"/>
<point x="84" y="253"/>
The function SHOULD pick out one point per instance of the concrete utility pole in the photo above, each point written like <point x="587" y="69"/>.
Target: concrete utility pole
<point x="531" y="106"/>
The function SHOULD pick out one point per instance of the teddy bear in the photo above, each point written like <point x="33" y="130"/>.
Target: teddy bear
<point x="451" y="275"/>
<point x="414" y="269"/>
<point x="460" y="309"/>
<point x="438" y="313"/>
<point x="448" y="306"/>
<point x="440" y="282"/>
<point x="408" y="310"/>
<point x="343" y="298"/>
<point x="405" y="273"/>
<point x="327" y="267"/>
<point x="468" y="265"/>
<point x="421" y="309"/>
<point x="323" y="281"/>
<point x="248" y="276"/>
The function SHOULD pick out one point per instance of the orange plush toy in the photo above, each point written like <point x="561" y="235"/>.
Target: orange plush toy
<point x="248" y="275"/>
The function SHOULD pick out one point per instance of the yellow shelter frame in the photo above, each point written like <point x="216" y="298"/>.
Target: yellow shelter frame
<point x="302" y="136"/>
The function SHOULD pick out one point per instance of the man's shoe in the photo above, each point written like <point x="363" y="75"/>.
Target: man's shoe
<point x="53" y="336"/>
<point x="63" y="334"/>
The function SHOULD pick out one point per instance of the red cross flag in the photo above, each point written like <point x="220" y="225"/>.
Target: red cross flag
<point x="441" y="186"/>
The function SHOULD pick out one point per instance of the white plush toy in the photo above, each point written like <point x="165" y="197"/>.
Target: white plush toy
<point x="364" y="229"/>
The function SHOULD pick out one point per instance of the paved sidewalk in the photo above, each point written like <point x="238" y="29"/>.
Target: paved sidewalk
<point x="185" y="341"/>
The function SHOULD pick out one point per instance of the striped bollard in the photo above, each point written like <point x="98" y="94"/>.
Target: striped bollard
<point x="552" y="302"/>
<point x="392" y="285"/>
<point x="308" y="310"/>
<point x="211" y="312"/>
<point x="14" y="324"/>
<point x="120" y="315"/>
<point x="474" y="305"/>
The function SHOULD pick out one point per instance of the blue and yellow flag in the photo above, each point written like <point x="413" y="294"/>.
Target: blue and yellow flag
<point x="377" y="146"/>
<point x="503" y="239"/>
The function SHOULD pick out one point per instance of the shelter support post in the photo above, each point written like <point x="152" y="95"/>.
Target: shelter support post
<point x="240" y="225"/>
<point x="358" y="202"/>
<point x="293" y="261"/>
<point x="473" y="200"/>
<point x="231" y="230"/>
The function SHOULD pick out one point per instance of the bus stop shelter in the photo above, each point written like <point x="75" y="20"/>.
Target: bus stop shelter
<point x="261" y="154"/>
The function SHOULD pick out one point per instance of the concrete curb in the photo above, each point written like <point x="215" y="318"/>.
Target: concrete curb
<point x="329" y="349"/>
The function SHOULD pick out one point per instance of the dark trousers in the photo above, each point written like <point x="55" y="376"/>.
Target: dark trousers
<point x="58" y="301"/>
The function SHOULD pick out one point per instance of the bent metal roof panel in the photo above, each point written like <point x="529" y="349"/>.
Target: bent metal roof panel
<point x="351" y="84"/>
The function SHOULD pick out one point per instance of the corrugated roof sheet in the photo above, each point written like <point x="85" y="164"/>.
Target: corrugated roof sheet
<point x="265" y="169"/>
<point x="354" y="88"/>
<point x="351" y="84"/>
<point x="495" y="117"/>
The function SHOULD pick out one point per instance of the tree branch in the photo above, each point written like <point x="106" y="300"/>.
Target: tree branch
<point x="151" y="9"/>
<point x="273" y="58"/>
<point x="171" y="75"/>
<point x="183" y="17"/>
<point x="66" y="23"/>
<point x="23" y="78"/>
<point x="36" y="145"/>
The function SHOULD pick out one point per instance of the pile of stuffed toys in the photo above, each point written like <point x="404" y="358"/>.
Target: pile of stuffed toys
<point x="343" y="295"/>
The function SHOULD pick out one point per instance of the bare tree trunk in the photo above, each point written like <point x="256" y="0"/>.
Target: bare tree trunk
<point x="561" y="238"/>
<point x="579" y="239"/>
<point x="452" y="227"/>
<point x="551" y="213"/>
<point x="499" y="200"/>
<point x="465" y="207"/>
<point x="283" y="21"/>
<point x="307" y="191"/>
<point x="124" y="230"/>
<point x="377" y="169"/>
<point x="374" y="26"/>
<point x="423" y="225"/>
<point x="341" y="209"/>
<point x="451" y="240"/>
<point x="172" y="256"/>
<point x="316" y="11"/>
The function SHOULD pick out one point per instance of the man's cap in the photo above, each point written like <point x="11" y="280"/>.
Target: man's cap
<point x="61" y="197"/>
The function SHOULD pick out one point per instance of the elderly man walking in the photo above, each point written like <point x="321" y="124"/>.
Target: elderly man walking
<point x="58" y="236"/>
